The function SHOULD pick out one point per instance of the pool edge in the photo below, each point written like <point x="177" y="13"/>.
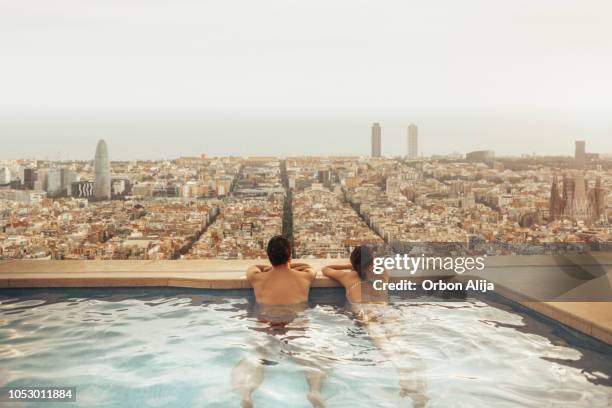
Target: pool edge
<point x="591" y="318"/>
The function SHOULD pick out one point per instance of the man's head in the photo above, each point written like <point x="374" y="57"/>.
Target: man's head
<point x="279" y="250"/>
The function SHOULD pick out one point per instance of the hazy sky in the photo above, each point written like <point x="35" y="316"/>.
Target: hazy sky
<point x="163" y="78"/>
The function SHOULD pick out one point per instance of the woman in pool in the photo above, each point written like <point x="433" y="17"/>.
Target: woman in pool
<point x="358" y="278"/>
<point x="382" y="323"/>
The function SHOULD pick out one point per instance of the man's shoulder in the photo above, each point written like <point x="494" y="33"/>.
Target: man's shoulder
<point x="257" y="276"/>
<point x="307" y="274"/>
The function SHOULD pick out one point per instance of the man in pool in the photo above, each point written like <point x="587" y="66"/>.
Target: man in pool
<point x="281" y="293"/>
<point x="283" y="283"/>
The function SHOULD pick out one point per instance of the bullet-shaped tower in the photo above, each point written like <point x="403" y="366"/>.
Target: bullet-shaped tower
<point x="102" y="170"/>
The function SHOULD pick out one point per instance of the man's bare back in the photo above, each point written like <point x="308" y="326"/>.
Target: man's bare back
<point x="281" y="285"/>
<point x="282" y="289"/>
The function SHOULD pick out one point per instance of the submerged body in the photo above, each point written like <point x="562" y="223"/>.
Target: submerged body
<point x="382" y="323"/>
<point x="142" y="347"/>
<point x="279" y="323"/>
<point x="281" y="291"/>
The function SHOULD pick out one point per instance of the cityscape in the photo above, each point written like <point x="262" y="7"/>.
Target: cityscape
<point x="202" y="207"/>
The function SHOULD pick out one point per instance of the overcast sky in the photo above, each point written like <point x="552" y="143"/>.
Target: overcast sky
<point x="163" y="78"/>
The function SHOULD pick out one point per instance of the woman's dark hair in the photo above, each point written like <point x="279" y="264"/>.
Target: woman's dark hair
<point x="279" y="250"/>
<point x="362" y="260"/>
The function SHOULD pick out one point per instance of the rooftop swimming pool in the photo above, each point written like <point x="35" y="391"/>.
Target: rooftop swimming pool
<point x="151" y="347"/>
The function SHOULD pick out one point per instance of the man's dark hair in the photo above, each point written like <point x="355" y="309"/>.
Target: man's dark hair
<point x="362" y="260"/>
<point x="279" y="250"/>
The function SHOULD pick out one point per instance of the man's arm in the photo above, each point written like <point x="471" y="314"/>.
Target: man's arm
<point x="252" y="271"/>
<point x="297" y="265"/>
<point x="304" y="267"/>
<point x="337" y="272"/>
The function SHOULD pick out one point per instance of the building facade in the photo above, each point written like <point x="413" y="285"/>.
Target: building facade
<point x="102" y="176"/>
<point x="376" y="140"/>
<point x="580" y="153"/>
<point x="413" y="141"/>
<point x="484" y="156"/>
<point x="576" y="201"/>
<point x="5" y="176"/>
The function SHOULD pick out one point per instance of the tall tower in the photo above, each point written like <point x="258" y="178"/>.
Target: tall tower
<point x="556" y="203"/>
<point x="376" y="140"/>
<point x="580" y="198"/>
<point x="580" y="153"/>
<point x="5" y="175"/>
<point x="596" y="202"/>
<point x="102" y="177"/>
<point x="600" y="198"/>
<point x="29" y="177"/>
<point x="568" y="196"/>
<point x="413" y="141"/>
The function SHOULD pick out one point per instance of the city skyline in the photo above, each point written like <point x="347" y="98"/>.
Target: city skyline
<point x="325" y="205"/>
<point x="227" y="208"/>
<point x="306" y="203"/>
<point x="151" y="138"/>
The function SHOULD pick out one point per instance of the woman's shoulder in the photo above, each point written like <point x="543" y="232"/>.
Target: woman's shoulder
<point x="351" y="278"/>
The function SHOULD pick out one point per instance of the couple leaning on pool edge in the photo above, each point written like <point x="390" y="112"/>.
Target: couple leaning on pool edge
<point x="281" y="293"/>
<point x="288" y="283"/>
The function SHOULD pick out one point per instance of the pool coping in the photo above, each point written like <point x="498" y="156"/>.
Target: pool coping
<point x="591" y="318"/>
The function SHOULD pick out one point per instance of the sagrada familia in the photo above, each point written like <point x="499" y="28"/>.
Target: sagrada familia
<point x="574" y="200"/>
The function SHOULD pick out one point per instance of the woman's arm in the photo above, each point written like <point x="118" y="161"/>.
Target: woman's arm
<point x="337" y="272"/>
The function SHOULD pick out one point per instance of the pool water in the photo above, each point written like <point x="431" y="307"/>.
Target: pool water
<point x="180" y="348"/>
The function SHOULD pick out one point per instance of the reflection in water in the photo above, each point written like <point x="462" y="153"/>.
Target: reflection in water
<point x="151" y="347"/>
<point x="383" y="323"/>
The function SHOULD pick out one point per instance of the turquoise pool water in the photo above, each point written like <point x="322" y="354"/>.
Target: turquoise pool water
<point x="179" y="348"/>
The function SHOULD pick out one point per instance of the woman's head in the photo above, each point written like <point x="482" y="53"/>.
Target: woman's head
<point x="362" y="260"/>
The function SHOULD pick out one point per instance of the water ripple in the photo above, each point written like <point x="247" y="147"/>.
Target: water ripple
<point x="179" y="350"/>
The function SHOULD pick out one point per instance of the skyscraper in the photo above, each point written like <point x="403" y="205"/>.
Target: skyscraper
<point x="54" y="182"/>
<point x="413" y="141"/>
<point x="5" y="175"/>
<point x="376" y="140"/>
<point x="42" y="176"/>
<point x="29" y="178"/>
<point x="68" y="177"/>
<point x="580" y="154"/>
<point x="102" y="172"/>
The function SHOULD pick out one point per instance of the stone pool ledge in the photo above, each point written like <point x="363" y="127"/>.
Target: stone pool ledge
<point x="206" y="274"/>
<point x="529" y="280"/>
<point x="516" y="278"/>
